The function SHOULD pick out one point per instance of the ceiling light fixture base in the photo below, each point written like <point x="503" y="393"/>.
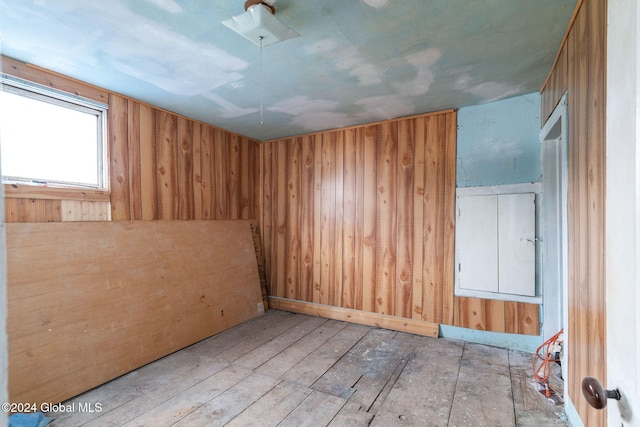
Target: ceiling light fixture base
<point x="257" y="21"/>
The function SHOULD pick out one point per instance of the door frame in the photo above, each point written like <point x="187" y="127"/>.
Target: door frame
<point x="554" y="136"/>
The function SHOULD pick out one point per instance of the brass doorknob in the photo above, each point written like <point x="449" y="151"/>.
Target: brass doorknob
<point x="595" y="394"/>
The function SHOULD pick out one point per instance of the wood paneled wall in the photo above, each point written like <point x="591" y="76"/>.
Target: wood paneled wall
<point x="363" y="218"/>
<point x="358" y="218"/>
<point x="162" y="166"/>
<point x="165" y="166"/>
<point x="580" y="70"/>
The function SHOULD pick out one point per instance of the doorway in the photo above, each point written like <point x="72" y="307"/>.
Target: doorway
<point x="554" y="222"/>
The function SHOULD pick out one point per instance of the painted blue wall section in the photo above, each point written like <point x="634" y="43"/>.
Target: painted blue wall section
<point x="499" y="143"/>
<point x="529" y="343"/>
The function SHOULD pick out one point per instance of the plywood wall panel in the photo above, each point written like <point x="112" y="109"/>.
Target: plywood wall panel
<point x="72" y="328"/>
<point x="580" y="70"/>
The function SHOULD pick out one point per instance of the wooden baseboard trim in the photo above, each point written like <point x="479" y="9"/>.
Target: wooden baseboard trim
<point x="356" y="316"/>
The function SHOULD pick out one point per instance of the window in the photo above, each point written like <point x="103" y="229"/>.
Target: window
<point x="51" y="138"/>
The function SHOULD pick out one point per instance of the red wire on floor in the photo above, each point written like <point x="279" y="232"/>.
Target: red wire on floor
<point x="542" y="372"/>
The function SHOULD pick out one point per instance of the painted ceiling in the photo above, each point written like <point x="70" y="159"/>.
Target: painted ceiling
<point x="356" y="61"/>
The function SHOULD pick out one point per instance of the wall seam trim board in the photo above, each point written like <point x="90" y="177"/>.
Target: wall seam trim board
<point x="418" y="327"/>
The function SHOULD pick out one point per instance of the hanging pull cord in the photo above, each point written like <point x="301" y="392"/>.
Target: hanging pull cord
<point x="261" y="84"/>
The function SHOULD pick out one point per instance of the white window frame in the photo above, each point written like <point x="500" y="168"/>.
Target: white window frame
<point x="53" y="96"/>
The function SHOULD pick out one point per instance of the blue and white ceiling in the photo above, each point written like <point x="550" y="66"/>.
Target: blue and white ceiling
<point x="356" y="61"/>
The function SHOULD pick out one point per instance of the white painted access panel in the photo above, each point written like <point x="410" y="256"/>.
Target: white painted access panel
<point x="496" y="245"/>
<point x="477" y="240"/>
<point x="517" y="244"/>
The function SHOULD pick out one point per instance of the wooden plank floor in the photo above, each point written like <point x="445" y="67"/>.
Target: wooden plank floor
<point x="285" y="369"/>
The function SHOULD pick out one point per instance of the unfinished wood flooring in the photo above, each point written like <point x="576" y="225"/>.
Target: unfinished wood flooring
<point x="285" y="369"/>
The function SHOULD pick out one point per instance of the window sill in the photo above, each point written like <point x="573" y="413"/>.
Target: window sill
<point x="19" y="191"/>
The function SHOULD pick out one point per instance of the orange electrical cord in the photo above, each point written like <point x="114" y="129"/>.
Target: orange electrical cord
<point x="545" y="366"/>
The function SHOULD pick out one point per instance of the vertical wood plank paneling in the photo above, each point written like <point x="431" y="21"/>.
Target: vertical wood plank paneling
<point x="580" y="70"/>
<point x="471" y="313"/>
<point x="246" y="178"/>
<point x="495" y="318"/>
<point x="293" y="222"/>
<point x="167" y="173"/>
<point x="10" y="209"/>
<point x="448" y="262"/>
<point x="595" y="181"/>
<point x="386" y="232"/>
<point x="419" y="190"/>
<point x="156" y="162"/>
<point x="258" y="179"/>
<point x="318" y="293"/>
<point x="133" y="127"/>
<point x="359" y="242"/>
<point x="338" y="215"/>
<point x="349" y="219"/>
<point x="53" y="210"/>
<point x="580" y="315"/>
<point x="207" y="136"/>
<point x="32" y="210"/>
<point x="84" y="210"/>
<point x="232" y="172"/>
<point x="527" y="321"/>
<point x="404" y="214"/>
<point x="184" y="162"/>
<point x="377" y="218"/>
<point x="220" y="150"/>
<point x="307" y="210"/>
<point x="198" y="209"/>
<point x="148" y="179"/>
<point x="433" y="228"/>
<point x="327" y="227"/>
<point x="556" y="86"/>
<point x="369" y="218"/>
<point x="510" y="314"/>
<point x="280" y="197"/>
<point x="267" y="155"/>
<point x="119" y="158"/>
